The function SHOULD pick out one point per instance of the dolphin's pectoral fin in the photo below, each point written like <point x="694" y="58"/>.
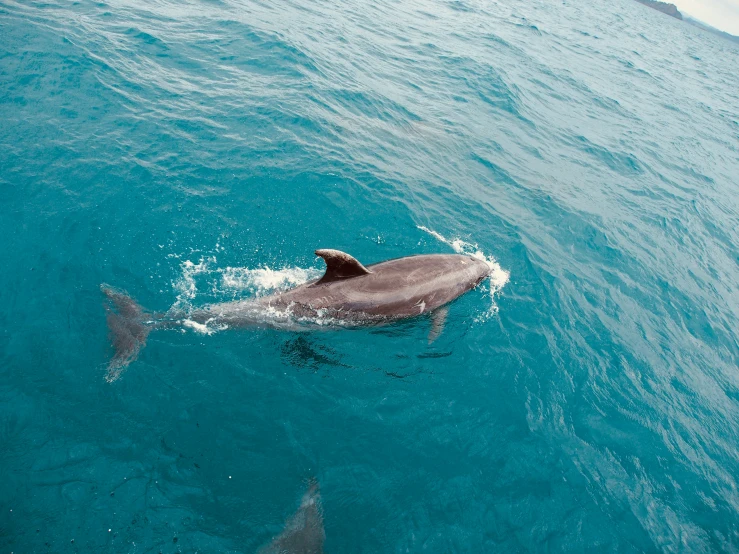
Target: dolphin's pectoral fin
<point x="340" y="265"/>
<point x="438" y="318"/>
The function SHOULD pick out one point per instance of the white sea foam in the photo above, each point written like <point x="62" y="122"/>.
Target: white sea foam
<point x="201" y="328"/>
<point x="205" y="280"/>
<point x="498" y="276"/>
<point x="186" y="286"/>
<point x="266" y="280"/>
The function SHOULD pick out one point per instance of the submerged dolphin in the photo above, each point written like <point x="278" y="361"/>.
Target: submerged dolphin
<point x="348" y="295"/>
<point x="303" y="532"/>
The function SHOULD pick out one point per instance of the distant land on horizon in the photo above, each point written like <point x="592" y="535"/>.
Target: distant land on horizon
<point x="706" y="27"/>
<point x="671" y="10"/>
<point x="664" y="7"/>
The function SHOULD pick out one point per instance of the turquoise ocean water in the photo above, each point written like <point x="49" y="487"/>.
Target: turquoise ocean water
<point x="587" y="399"/>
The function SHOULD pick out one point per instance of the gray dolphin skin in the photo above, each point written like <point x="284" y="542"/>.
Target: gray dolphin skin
<point x="303" y="532"/>
<point x="348" y="295"/>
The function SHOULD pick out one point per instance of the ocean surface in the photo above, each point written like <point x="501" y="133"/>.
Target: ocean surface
<point x="585" y="398"/>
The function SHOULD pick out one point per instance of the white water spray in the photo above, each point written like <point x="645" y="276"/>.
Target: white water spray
<point x="498" y="276"/>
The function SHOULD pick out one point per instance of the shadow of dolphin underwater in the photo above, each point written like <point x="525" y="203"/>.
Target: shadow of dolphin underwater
<point x="348" y="295"/>
<point x="303" y="532"/>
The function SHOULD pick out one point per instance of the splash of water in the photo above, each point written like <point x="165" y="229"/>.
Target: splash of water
<point x="498" y="276"/>
<point x="205" y="278"/>
<point x="230" y="280"/>
<point x="186" y="285"/>
<point x="265" y="280"/>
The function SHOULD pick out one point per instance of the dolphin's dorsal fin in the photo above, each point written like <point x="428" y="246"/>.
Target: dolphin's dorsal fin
<point x="340" y="265"/>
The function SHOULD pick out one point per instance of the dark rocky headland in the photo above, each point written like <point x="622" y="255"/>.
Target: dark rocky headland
<point x="664" y="7"/>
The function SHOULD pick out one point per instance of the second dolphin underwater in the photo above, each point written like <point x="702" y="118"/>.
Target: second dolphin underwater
<point x="303" y="532"/>
<point x="348" y="295"/>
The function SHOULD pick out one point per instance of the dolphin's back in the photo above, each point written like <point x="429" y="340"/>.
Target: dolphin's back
<point x="393" y="289"/>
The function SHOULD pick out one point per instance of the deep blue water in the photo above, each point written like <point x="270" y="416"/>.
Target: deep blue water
<point x="199" y="152"/>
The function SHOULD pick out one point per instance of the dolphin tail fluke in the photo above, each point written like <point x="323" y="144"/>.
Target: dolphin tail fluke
<point x="128" y="325"/>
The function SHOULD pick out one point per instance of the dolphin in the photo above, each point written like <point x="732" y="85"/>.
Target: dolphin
<point x="348" y="295"/>
<point x="303" y="532"/>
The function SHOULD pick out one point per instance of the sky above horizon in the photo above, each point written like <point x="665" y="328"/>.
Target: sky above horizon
<point x="722" y="14"/>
